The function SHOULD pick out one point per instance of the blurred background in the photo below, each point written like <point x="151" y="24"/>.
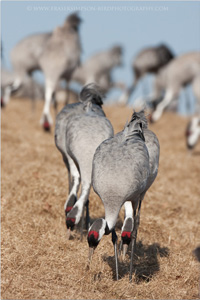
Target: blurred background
<point x="133" y="25"/>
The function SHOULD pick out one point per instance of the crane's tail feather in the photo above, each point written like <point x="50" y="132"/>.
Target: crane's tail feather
<point x="92" y="93"/>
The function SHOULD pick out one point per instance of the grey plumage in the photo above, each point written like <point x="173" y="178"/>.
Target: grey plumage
<point x="25" y="87"/>
<point x="153" y="147"/>
<point x="121" y="170"/>
<point x="124" y="167"/>
<point x="56" y="54"/>
<point x="25" y="55"/>
<point x="59" y="59"/>
<point x="25" y="60"/>
<point x="98" y="69"/>
<point x="149" y="60"/>
<point x="181" y="71"/>
<point x="80" y="128"/>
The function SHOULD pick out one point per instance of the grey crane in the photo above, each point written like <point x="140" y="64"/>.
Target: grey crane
<point x="26" y="53"/>
<point x="80" y="128"/>
<point x="121" y="175"/>
<point x="8" y="84"/>
<point x="149" y="60"/>
<point x="55" y="53"/>
<point x="25" y="60"/>
<point x="177" y="74"/>
<point x="26" y="87"/>
<point x="59" y="59"/>
<point x="153" y="147"/>
<point x="98" y="69"/>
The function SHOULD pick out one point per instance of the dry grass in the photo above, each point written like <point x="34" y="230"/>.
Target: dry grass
<point x="37" y="261"/>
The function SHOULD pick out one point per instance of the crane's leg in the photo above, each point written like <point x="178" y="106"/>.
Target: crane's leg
<point x="118" y="85"/>
<point x="144" y="87"/>
<point x="114" y="241"/>
<point x="75" y="182"/>
<point x="55" y="104"/>
<point x="134" y="237"/>
<point x="125" y="97"/>
<point x="76" y="213"/>
<point x="67" y="92"/>
<point x="33" y="98"/>
<point x="187" y="101"/>
<point x="46" y="119"/>
<point x="87" y="218"/>
<point x="87" y="215"/>
<point x="6" y="97"/>
<point x="162" y="105"/>
<point x="72" y="197"/>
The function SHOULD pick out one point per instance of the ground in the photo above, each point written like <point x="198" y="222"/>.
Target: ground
<point x="38" y="262"/>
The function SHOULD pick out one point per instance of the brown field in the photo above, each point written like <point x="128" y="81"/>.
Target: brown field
<point x="38" y="262"/>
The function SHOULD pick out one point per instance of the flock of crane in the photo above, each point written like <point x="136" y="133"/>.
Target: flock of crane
<point x="57" y="55"/>
<point x="120" y="167"/>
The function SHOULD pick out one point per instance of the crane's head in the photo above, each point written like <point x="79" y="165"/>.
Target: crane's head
<point x="126" y="234"/>
<point x="165" y="54"/>
<point x="73" y="217"/>
<point x="95" y="233"/>
<point x="73" y="20"/>
<point x="116" y="55"/>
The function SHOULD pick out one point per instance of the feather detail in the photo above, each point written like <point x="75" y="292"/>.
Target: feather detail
<point x="92" y="93"/>
<point x="136" y="125"/>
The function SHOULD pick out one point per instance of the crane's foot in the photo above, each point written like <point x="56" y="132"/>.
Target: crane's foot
<point x="46" y="122"/>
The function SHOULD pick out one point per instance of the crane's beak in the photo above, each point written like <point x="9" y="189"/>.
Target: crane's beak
<point x="68" y="233"/>
<point x="125" y="248"/>
<point x="91" y="252"/>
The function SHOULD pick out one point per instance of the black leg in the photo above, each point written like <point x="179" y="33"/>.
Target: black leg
<point x="120" y="247"/>
<point x="187" y="100"/>
<point x="87" y="215"/>
<point x="33" y="98"/>
<point x="82" y="221"/>
<point x="114" y="240"/>
<point x="55" y="104"/>
<point x="130" y="91"/>
<point x="68" y="94"/>
<point x="144" y="87"/>
<point x="132" y="246"/>
<point x="134" y="238"/>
